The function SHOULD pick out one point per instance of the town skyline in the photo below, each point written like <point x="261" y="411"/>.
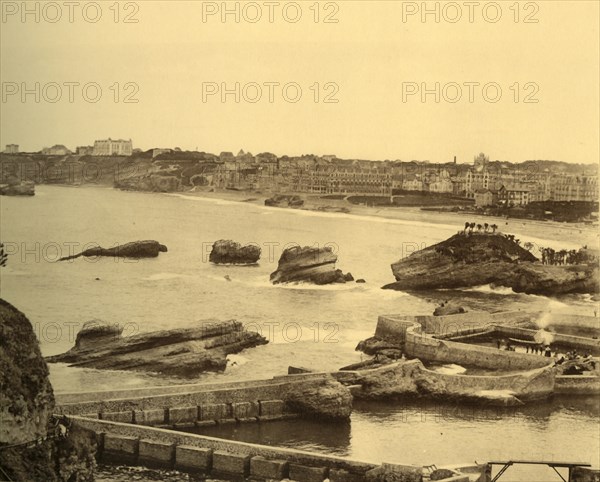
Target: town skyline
<point x="14" y="148"/>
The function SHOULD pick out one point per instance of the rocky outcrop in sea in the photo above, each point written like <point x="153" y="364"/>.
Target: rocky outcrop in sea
<point x="184" y="352"/>
<point x="136" y="249"/>
<point x="467" y="260"/>
<point x="230" y="252"/>
<point x="309" y="265"/>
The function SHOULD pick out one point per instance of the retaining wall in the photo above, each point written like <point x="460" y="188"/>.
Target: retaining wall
<point x="150" y="446"/>
<point x="577" y="384"/>
<point x="191" y="405"/>
<point x="425" y="347"/>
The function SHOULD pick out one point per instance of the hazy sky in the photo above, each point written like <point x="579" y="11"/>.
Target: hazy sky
<point x="366" y="61"/>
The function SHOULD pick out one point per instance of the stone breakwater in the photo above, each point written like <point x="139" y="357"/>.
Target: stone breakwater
<point x="513" y="377"/>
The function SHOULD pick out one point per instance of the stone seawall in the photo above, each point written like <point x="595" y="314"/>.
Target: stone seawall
<point x="154" y="447"/>
<point x="193" y="405"/>
<point x="149" y="446"/>
<point x="424" y="347"/>
<point x="577" y="385"/>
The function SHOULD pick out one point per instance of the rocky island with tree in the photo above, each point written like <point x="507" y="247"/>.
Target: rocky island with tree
<point x="479" y="255"/>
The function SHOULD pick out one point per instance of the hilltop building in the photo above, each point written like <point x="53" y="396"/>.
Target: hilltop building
<point x="11" y="149"/>
<point x="110" y="147"/>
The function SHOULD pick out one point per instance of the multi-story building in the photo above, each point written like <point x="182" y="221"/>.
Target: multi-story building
<point x="486" y="197"/>
<point x="11" y="149"/>
<point x="516" y="195"/>
<point x="110" y="147"/>
<point x="57" y="150"/>
<point x="574" y="188"/>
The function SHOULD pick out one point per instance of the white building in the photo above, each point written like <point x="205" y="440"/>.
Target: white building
<point x="110" y="147"/>
<point x="11" y="149"/>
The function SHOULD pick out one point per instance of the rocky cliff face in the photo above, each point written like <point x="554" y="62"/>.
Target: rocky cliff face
<point x="136" y="249"/>
<point x="230" y="252"/>
<point x="309" y="265"/>
<point x="479" y="259"/>
<point x="183" y="352"/>
<point x="26" y="406"/>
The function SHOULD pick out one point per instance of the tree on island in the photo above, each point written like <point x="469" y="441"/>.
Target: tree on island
<point x="486" y="226"/>
<point x="494" y="227"/>
<point x="479" y="227"/>
<point x="472" y="226"/>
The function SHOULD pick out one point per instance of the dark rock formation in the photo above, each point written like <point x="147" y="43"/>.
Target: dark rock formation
<point x="331" y="400"/>
<point x="283" y="200"/>
<point x="136" y="249"/>
<point x="376" y="346"/>
<point x="361" y="281"/>
<point x="25" y="188"/>
<point x="230" y="252"/>
<point x="479" y="259"/>
<point x="184" y="352"/>
<point x="26" y="406"/>
<point x="411" y="379"/>
<point x="150" y="183"/>
<point x="394" y="473"/>
<point x="310" y="265"/>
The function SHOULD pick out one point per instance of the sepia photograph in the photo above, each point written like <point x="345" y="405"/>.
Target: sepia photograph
<point x="299" y="241"/>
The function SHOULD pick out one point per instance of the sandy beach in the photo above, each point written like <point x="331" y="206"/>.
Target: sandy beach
<point x="565" y="235"/>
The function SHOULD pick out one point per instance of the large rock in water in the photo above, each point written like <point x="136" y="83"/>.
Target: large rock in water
<point x="136" y="249"/>
<point x="26" y="406"/>
<point x="184" y="352"/>
<point x="331" y="400"/>
<point x="230" y="252"/>
<point x="484" y="258"/>
<point x="310" y="265"/>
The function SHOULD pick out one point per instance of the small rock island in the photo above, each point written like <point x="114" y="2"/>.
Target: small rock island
<point x="230" y="252"/>
<point x="309" y="265"/>
<point x="136" y="249"/>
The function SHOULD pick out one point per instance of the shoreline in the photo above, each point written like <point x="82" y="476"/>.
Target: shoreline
<point x="555" y="231"/>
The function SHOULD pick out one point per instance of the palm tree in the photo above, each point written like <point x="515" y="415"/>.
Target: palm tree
<point x="467" y="224"/>
<point x="486" y="226"/>
<point x="3" y="256"/>
<point x="472" y="226"/>
<point x="494" y="227"/>
<point x="479" y="227"/>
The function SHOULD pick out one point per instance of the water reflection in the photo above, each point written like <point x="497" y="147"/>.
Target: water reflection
<point x="317" y="436"/>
